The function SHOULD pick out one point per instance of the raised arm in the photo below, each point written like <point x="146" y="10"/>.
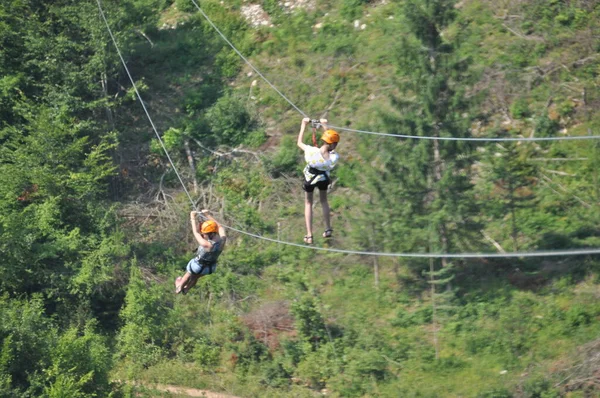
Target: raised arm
<point x="323" y="124"/>
<point x="201" y="241"/>
<point x="301" y="143"/>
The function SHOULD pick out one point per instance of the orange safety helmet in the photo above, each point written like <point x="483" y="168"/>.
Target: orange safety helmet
<point x="330" y="136"/>
<point x="208" y="227"/>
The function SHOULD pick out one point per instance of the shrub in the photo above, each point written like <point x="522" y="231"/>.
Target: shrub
<point x="285" y="160"/>
<point x="546" y="127"/>
<point x="229" y="121"/>
<point x="275" y="375"/>
<point x="578" y="315"/>
<point x="519" y="108"/>
<point x="206" y="354"/>
<point x="352" y="9"/>
<point x="185" y="6"/>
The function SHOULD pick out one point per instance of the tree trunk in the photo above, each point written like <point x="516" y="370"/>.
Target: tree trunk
<point x="109" y="115"/>
<point x="433" y="314"/>
<point x="191" y="162"/>
<point x="513" y="214"/>
<point x="437" y="176"/>
<point x="376" y="271"/>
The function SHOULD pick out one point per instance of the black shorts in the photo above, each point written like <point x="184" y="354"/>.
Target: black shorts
<point x="322" y="185"/>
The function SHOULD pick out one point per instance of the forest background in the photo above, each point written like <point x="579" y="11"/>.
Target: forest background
<point x="94" y="221"/>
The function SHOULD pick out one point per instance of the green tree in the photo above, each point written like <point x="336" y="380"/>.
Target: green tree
<point x="141" y="339"/>
<point x="421" y="189"/>
<point x="309" y="321"/>
<point x="512" y="178"/>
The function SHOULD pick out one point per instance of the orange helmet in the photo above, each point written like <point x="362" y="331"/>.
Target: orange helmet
<point x="209" y="226"/>
<point x="330" y="136"/>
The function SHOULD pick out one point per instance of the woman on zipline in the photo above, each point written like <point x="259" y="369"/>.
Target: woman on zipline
<point x="211" y="239"/>
<point x="319" y="162"/>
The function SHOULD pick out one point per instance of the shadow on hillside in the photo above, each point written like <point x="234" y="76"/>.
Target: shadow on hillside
<point x="495" y="277"/>
<point x="175" y="71"/>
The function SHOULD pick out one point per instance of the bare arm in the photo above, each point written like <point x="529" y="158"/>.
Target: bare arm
<point x="324" y="151"/>
<point x="323" y="123"/>
<point x="201" y="241"/>
<point x="301" y="143"/>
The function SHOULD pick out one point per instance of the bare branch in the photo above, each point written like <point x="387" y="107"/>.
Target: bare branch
<point x="560" y="173"/>
<point x="565" y="190"/>
<point x="145" y="37"/>
<point x="556" y="159"/>
<point x="490" y="239"/>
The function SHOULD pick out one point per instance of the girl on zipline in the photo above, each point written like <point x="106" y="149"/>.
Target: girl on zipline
<point x="319" y="162"/>
<point x="211" y="239"/>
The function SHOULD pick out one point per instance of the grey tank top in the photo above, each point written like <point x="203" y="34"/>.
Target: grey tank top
<point x="205" y="257"/>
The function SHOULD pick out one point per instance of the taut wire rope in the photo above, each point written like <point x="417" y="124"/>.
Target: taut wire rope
<point x="481" y="139"/>
<point x="246" y="60"/>
<point x="486" y="139"/>
<point x="571" y="252"/>
<point x="137" y="93"/>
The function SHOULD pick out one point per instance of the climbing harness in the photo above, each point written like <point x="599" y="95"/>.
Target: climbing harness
<point x="313" y="176"/>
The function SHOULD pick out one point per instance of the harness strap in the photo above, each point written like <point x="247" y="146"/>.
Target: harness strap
<point x="312" y="170"/>
<point x="204" y="265"/>
<point x="316" y="173"/>
<point x="314" y="123"/>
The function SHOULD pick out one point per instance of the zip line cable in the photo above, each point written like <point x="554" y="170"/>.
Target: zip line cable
<point x="484" y="139"/>
<point x="137" y="93"/>
<point x="573" y="252"/>
<point x="245" y="60"/>
<point x="547" y="253"/>
<point x="488" y="139"/>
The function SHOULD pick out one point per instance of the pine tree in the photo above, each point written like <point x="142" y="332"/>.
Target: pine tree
<point x="512" y="177"/>
<point x="423" y="187"/>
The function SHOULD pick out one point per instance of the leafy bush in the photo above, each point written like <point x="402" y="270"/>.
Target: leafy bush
<point x="546" y="127"/>
<point x="519" y="109"/>
<point x="230" y="123"/>
<point x="275" y="375"/>
<point x="578" y="315"/>
<point x="206" y="354"/>
<point x="228" y="63"/>
<point x="285" y="160"/>
<point x="539" y="387"/>
<point x="185" y="6"/>
<point x="318" y="367"/>
<point x="352" y="9"/>
<point x="406" y="319"/>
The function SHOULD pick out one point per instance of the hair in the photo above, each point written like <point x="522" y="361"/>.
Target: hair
<point x="211" y="234"/>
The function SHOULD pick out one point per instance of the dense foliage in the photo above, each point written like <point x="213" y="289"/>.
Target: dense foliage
<point x="93" y="221"/>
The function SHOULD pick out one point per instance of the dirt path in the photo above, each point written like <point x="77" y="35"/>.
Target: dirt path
<point x="190" y="392"/>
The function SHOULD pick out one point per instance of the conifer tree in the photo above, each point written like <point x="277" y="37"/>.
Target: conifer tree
<point x="512" y="176"/>
<point x="424" y="185"/>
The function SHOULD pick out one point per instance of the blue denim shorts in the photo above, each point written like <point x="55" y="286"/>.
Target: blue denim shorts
<point x="195" y="268"/>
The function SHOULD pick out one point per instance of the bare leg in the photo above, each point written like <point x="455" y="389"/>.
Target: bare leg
<point x="308" y="215"/>
<point x="326" y="211"/>
<point x="183" y="282"/>
<point x="191" y="282"/>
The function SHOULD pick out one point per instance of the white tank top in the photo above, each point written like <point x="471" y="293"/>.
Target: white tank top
<point x="313" y="158"/>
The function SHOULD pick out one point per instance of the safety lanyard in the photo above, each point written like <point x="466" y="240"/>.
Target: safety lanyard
<point x="315" y="123"/>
